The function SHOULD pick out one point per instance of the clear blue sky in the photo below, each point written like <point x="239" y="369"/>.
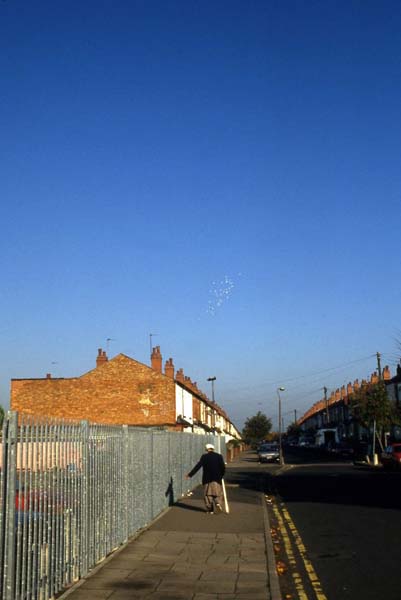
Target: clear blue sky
<point x="224" y="174"/>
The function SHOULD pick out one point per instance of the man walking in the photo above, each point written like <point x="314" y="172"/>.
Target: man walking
<point x="213" y="472"/>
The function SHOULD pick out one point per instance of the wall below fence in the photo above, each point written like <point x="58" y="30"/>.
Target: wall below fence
<point x="70" y="493"/>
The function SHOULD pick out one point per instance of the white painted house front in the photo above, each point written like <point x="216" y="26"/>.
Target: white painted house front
<point x="183" y="404"/>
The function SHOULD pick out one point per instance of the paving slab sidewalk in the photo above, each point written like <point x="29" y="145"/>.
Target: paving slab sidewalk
<point x="191" y="555"/>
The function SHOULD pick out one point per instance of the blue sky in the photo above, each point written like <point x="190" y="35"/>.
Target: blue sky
<point x="225" y="175"/>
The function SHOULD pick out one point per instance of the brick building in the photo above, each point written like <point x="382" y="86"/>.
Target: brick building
<point x="335" y="411"/>
<point x="123" y="390"/>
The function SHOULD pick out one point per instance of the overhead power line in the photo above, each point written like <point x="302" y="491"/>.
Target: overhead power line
<point x="343" y="366"/>
<point x="307" y="375"/>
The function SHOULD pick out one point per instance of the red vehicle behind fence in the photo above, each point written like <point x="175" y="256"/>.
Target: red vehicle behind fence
<point x="391" y="457"/>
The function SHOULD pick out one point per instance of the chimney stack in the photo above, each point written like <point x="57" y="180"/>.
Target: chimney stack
<point x="180" y="376"/>
<point x="169" y="368"/>
<point x="101" y="357"/>
<point x="156" y="359"/>
<point x="374" y="378"/>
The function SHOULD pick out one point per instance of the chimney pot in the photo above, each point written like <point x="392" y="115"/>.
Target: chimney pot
<point x="101" y="357"/>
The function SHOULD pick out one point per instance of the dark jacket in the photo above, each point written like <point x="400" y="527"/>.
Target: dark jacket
<point x="213" y="467"/>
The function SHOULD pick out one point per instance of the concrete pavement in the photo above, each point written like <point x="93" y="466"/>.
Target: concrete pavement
<point x="189" y="554"/>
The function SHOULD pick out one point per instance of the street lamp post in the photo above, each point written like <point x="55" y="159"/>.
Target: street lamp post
<point x="280" y="447"/>
<point x="212" y="379"/>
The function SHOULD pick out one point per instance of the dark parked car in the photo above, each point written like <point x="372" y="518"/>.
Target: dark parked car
<point x="391" y="457"/>
<point x="342" y="450"/>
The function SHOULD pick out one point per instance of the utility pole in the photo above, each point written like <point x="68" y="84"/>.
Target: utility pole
<point x="374" y="443"/>
<point x="379" y="369"/>
<point x="295" y="416"/>
<point x="280" y="425"/>
<point x="326" y="404"/>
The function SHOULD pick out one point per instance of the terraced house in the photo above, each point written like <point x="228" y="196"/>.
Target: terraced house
<point x="124" y="391"/>
<point x="335" y="411"/>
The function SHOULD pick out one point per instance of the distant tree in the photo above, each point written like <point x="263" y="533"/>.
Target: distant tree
<point x="371" y="404"/>
<point x="256" y="428"/>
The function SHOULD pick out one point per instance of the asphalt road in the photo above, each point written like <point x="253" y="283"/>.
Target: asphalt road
<point x="346" y="524"/>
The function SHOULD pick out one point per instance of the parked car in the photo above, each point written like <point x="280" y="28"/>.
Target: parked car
<point x="268" y="453"/>
<point x="391" y="457"/>
<point x="306" y="442"/>
<point x="342" y="450"/>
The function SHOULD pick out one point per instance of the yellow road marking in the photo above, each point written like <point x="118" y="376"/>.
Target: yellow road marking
<point x="291" y="559"/>
<point x="302" y="550"/>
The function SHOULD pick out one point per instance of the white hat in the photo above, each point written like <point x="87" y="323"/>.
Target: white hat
<point x="209" y="447"/>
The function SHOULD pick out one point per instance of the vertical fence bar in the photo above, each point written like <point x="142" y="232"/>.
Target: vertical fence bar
<point x="85" y="528"/>
<point x="62" y="505"/>
<point x="35" y="506"/>
<point x="3" y="503"/>
<point x="23" y="499"/>
<point x="50" y="504"/>
<point x="41" y="546"/>
<point x="19" y="520"/>
<point x="125" y="495"/>
<point x="45" y="540"/>
<point x="11" y="477"/>
<point x="77" y="446"/>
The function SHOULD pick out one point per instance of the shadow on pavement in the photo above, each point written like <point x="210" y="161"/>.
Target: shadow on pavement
<point x="180" y="504"/>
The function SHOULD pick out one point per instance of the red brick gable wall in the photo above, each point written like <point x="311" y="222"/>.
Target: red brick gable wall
<point x="120" y="390"/>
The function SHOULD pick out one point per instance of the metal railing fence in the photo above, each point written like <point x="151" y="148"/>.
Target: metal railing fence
<point x="72" y="492"/>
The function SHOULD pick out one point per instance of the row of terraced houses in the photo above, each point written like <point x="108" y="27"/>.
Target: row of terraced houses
<point x="336" y="410"/>
<point x="122" y="390"/>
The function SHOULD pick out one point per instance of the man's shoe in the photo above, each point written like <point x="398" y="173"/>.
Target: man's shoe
<point x="219" y="508"/>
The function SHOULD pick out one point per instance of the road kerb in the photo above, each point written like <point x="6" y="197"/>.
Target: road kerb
<point x="271" y="560"/>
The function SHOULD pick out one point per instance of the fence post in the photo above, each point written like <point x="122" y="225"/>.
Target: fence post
<point x="84" y="559"/>
<point x="3" y="501"/>
<point x="9" y="487"/>
<point x="152" y="476"/>
<point x="126" y="480"/>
